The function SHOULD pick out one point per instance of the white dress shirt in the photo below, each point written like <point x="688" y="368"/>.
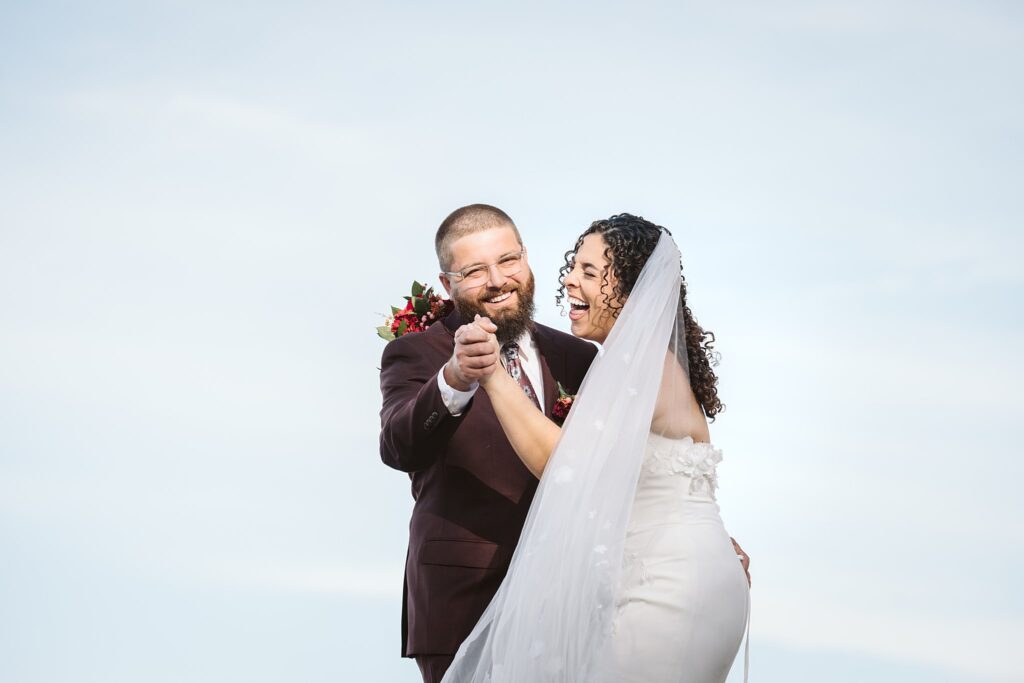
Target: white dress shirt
<point x="529" y="357"/>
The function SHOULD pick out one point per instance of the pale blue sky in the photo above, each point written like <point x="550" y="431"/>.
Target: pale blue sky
<point x="205" y="206"/>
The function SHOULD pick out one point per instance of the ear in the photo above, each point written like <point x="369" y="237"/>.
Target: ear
<point x="446" y="283"/>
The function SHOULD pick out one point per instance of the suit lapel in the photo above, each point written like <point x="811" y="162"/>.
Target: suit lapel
<point x="552" y="361"/>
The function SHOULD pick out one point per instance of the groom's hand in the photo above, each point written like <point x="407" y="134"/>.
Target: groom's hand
<point x="485" y="324"/>
<point x="475" y="357"/>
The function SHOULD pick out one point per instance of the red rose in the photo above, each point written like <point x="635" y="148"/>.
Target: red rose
<point x="560" y="410"/>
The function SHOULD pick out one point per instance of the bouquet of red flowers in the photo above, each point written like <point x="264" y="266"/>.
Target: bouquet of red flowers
<point x="422" y="309"/>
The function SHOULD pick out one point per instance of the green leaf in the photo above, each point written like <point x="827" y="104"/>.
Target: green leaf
<point x="385" y="333"/>
<point x="395" y="310"/>
<point x="417" y="289"/>
<point x="401" y="328"/>
<point x="421" y="306"/>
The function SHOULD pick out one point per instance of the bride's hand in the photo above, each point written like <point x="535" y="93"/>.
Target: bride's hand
<point x="485" y="324"/>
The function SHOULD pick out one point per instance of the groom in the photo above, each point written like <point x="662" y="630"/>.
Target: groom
<point x="472" y="492"/>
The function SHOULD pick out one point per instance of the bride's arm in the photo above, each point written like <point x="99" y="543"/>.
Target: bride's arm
<point x="531" y="433"/>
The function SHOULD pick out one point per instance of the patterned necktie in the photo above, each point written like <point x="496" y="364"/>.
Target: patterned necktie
<point x="510" y="352"/>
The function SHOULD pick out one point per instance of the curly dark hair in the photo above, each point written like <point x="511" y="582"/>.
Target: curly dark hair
<point x="631" y="240"/>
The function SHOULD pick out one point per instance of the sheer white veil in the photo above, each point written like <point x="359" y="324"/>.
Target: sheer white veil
<point x="549" y="619"/>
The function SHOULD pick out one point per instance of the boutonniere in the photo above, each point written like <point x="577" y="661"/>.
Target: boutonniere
<point x="422" y="309"/>
<point x="562" y="405"/>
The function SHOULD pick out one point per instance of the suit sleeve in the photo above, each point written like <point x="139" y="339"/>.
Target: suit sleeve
<point x="415" y="424"/>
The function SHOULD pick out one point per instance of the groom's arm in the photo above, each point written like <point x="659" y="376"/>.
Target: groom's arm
<point x="415" y="423"/>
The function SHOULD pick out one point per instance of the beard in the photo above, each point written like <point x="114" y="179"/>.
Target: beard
<point x="512" y="322"/>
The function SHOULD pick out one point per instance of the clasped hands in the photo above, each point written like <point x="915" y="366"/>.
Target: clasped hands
<point x="477" y="355"/>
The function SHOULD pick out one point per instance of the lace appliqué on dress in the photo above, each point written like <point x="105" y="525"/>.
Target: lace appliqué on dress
<point x="698" y="461"/>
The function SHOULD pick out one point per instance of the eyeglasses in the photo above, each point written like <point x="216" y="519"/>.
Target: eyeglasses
<point x="474" y="276"/>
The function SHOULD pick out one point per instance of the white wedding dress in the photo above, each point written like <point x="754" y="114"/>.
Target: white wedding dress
<point x="683" y="598"/>
<point x="624" y="572"/>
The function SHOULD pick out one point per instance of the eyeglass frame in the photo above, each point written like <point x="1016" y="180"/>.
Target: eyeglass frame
<point x="487" y="267"/>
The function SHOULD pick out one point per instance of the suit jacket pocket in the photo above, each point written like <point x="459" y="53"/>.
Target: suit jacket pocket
<point x="452" y="553"/>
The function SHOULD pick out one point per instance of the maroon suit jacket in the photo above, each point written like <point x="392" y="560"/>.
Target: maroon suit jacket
<point x="471" y="490"/>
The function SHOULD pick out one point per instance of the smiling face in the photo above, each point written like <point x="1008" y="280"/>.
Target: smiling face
<point x="588" y="287"/>
<point x="506" y="299"/>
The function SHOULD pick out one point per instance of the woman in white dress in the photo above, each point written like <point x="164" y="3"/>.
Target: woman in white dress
<point x="624" y="570"/>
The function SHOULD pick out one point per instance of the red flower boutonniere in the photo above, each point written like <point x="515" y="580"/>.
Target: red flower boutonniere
<point x="422" y="309"/>
<point x="561" y="408"/>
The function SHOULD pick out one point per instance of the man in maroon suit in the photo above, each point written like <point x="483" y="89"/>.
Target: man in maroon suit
<point x="472" y="492"/>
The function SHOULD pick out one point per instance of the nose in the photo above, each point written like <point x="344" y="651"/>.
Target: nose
<point x="571" y="280"/>
<point x="495" y="278"/>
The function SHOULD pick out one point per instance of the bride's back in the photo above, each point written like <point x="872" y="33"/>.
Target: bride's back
<point x="677" y="413"/>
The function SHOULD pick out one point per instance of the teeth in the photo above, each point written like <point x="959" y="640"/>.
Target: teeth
<point x="573" y="301"/>
<point x="499" y="299"/>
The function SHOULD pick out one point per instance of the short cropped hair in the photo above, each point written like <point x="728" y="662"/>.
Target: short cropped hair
<point x="466" y="221"/>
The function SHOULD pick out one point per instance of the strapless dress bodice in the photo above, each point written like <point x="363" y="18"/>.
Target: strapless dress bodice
<point x="683" y="464"/>
<point x="677" y="482"/>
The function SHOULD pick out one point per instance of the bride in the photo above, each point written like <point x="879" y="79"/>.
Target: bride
<point x="624" y="570"/>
